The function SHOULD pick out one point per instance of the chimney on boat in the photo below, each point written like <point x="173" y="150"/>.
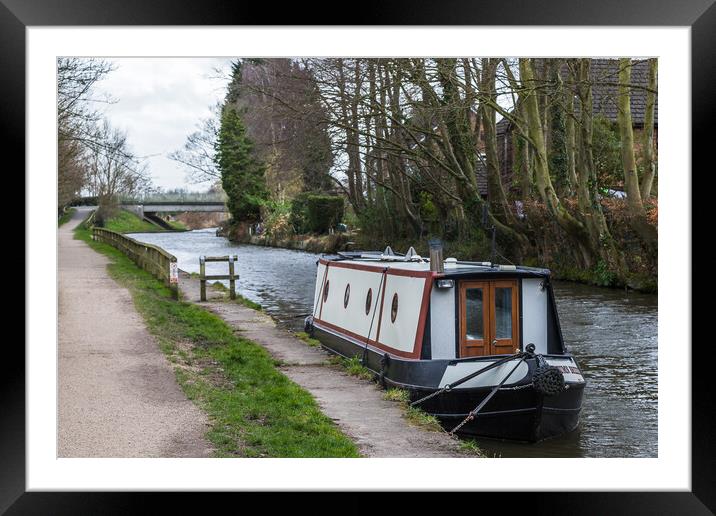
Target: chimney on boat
<point x="436" y="255"/>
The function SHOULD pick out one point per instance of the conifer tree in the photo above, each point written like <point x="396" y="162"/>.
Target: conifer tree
<point x="242" y="175"/>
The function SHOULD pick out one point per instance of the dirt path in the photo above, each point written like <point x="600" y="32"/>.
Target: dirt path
<point x="117" y="393"/>
<point x="376" y="426"/>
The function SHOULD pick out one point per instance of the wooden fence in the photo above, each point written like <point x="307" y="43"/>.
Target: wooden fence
<point x="151" y="258"/>
<point x="231" y="276"/>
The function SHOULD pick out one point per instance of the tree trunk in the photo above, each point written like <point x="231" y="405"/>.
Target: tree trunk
<point x="648" y="142"/>
<point x="586" y="186"/>
<point x="573" y="227"/>
<point x="631" y="179"/>
<point x="570" y="133"/>
<point x="496" y="192"/>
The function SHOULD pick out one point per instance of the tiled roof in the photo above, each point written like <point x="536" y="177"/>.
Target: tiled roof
<point x="481" y="174"/>
<point x="605" y="79"/>
<point x="605" y="74"/>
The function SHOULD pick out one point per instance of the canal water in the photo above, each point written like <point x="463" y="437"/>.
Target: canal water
<point x="611" y="333"/>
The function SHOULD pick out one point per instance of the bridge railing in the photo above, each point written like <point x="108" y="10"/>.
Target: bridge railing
<point x="151" y="258"/>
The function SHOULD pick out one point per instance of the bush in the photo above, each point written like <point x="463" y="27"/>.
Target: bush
<point x="277" y="220"/>
<point x="324" y="211"/>
<point x="85" y="201"/>
<point x="298" y="217"/>
<point x="312" y="213"/>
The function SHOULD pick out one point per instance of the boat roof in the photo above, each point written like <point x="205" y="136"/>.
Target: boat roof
<point x="452" y="266"/>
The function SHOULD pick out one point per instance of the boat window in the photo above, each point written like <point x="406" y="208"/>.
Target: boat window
<point x="347" y="296"/>
<point x="503" y="313"/>
<point x="368" y="301"/>
<point x="325" y="290"/>
<point x="475" y="314"/>
<point x="394" y="308"/>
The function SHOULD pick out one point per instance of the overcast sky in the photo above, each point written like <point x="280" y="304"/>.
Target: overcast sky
<point x="159" y="103"/>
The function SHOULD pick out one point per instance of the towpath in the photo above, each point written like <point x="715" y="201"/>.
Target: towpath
<point x="118" y="396"/>
<point x="377" y="426"/>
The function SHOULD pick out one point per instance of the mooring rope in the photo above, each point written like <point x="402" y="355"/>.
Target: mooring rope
<point x="477" y="409"/>
<point x="470" y="376"/>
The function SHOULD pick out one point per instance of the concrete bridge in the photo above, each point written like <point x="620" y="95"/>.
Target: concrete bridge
<point x="151" y="211"/>
<point x="176" y="207"/>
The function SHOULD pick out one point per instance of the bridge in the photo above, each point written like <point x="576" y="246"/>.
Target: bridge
<point x="175" y="207"/>
<point x="149" y="210"/>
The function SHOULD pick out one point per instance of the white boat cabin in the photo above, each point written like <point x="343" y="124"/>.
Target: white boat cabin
<point x="399" y="305"/>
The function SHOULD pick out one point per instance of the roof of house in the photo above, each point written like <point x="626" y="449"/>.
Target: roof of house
<point x="605" y="74"/>
<point x="605" y="79"/>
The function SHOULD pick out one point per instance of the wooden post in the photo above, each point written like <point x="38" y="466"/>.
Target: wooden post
<point x="202" y="277"/>
<point x="232" y="281"/>
<point x="174" y="278"/>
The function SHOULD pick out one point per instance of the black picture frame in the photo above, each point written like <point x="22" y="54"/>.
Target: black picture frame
<point x="700" y="15"/>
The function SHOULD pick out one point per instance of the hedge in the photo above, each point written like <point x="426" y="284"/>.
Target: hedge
<point x="312" y="213"/>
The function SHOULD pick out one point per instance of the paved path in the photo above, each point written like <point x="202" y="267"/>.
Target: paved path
<point x="376" y="426"/>
<point x="117" y="393"/>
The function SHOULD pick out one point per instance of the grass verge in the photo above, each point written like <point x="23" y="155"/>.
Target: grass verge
<point x="353" y="366"/>
<point x="255" y="411"/>
<point x="127" y="222"/>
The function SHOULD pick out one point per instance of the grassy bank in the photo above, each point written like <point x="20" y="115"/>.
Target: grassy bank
<point x="255" y="411"/>
<point x="127" y="222"/>
<point x="65" y="217"/>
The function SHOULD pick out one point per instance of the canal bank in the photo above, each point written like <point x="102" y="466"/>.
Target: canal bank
<point x="643" y="280"/>
<point x="378" y="426"/>
<point x="309" y="243"/>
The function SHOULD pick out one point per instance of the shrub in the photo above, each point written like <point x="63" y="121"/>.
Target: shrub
<point x="324" y="211"/>
<point x="277" y="220"/>
<point x="313" y="213"/>
<point x="298" y="217"/>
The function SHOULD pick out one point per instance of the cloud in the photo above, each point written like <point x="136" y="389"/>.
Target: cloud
<point x="159" y="103"/>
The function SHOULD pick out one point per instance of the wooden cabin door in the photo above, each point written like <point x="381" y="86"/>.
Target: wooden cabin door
<point x="474" y="318"/>
<point x="504" y="319"/>
<point x="489" y="318"/>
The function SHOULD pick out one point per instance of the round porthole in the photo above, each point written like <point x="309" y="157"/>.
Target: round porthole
<point x="368" y="301"/>
<point x="347" y="296"/>
<point x="394" y="308"/>
<point x="325" y="291"/>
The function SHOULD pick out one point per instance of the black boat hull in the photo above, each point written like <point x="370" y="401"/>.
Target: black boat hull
<point x="517" y="411"/>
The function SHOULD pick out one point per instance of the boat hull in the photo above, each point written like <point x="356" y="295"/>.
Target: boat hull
<point x="517" y="411"/>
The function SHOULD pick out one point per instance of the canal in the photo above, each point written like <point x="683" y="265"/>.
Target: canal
<point x="611" y="333"/>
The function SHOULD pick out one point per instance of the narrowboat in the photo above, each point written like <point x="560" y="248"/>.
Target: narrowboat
<point x="476" y="344"/>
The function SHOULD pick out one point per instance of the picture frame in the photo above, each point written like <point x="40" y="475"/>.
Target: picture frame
<point x="700" y="15"/>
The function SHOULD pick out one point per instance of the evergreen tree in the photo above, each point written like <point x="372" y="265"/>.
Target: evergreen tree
<point x="242" y="175"/>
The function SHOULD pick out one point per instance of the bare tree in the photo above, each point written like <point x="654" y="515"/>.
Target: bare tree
<point x="116" y="171"/>
<point x="198" y="152"/>
<point x="77" y="120"/>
